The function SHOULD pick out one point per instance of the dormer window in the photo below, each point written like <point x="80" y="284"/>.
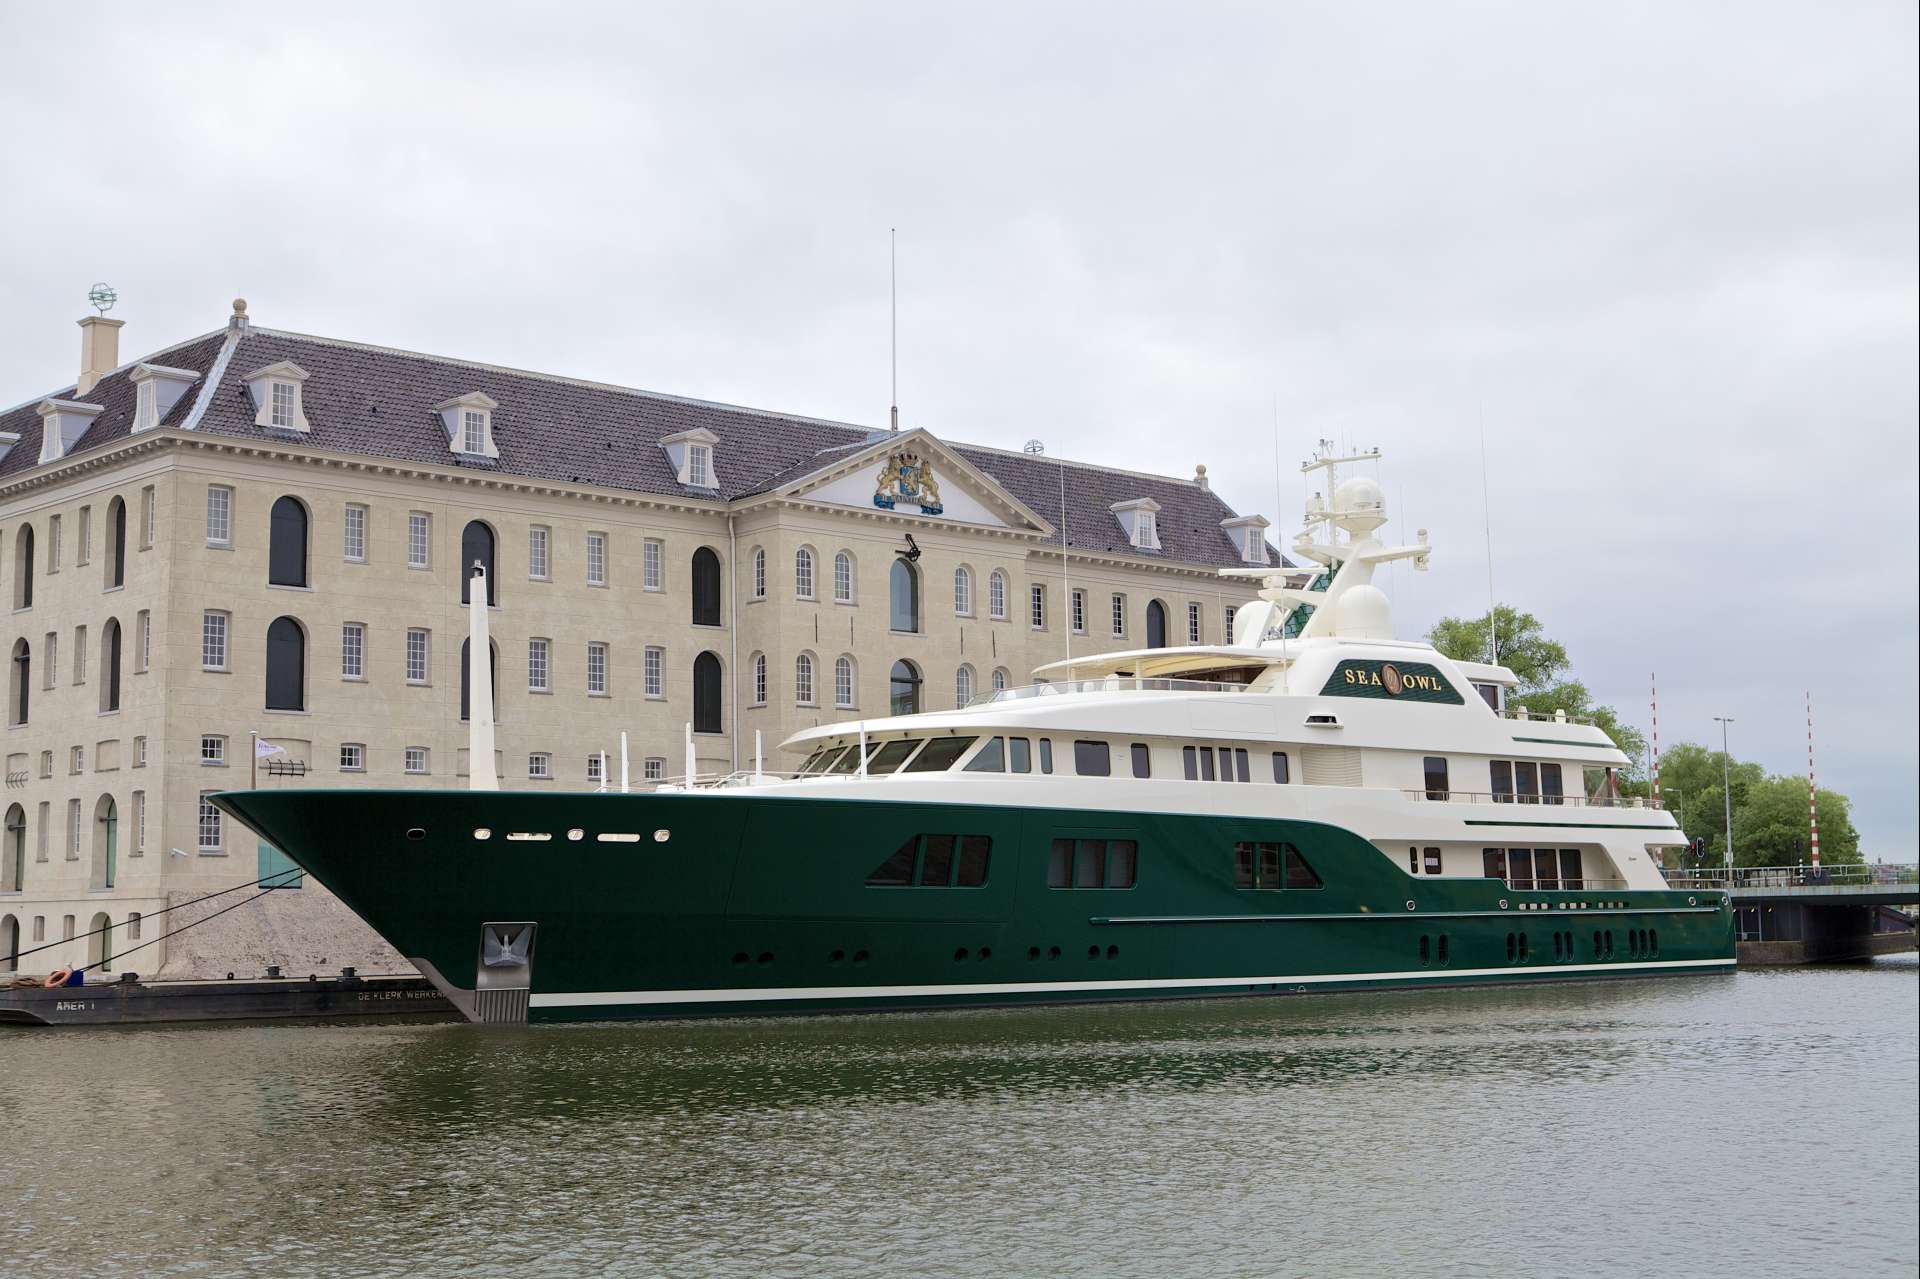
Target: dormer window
<point x="1249" y="534"/>
<point x="157" y="389"/>
<point x="1141" y="520"/>
<point x="691" y="453"/>
<point x="468" y="420"/>
<point x="276" y="396"/>
<point x="62" y="423"/>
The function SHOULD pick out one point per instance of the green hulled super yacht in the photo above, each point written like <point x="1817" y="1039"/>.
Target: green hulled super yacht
<point x="1314" y="806"/>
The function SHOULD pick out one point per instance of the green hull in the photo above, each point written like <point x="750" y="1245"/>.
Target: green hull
<point x="757" y="903"/>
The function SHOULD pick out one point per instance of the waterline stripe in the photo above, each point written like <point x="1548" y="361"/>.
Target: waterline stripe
<point x="607" y="998"/>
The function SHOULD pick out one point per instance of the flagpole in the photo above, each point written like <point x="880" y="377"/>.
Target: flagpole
<point x="253" y="759"/>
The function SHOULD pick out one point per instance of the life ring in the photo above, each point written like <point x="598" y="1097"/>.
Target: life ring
<point x="57" y="978"/>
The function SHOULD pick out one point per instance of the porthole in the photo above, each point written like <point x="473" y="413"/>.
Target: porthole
<point x="739" y="959"/>
<point x="416" y="832"/>
<point x="959" y="953"/>
<point x="1503" y="903"/>
<point x="1409" y="905"/>
<point x="766" y="957"/>
<point x="481" y="832"/>
<point x="860" y="957"/>
<point x="1053" y="952"/>
<point x="1113" y="952"/>
<point x="984" y="953"/>
<point x="1093" y="952"/>
<point x="576" y="834"/>
<point x="837" y="957"/>
<point x="662" y="836"/>
<point x="1033" y="952"/>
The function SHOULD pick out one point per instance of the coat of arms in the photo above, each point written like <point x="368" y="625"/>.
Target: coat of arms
<point x="907" y="477"/>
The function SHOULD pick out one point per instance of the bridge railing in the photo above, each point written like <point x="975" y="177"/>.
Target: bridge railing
<point x="1800" y="876"/>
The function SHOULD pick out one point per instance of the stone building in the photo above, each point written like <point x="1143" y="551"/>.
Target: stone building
<point x="260" y="532"/>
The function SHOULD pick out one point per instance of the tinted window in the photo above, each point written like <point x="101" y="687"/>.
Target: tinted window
<point x="991" y="759"/>
<point x="1060" y="864"/>
<point x="850" y="761"/>
<point x="1190" y="762"/>
<point x="1526" y="778"/>
<point x="1089" y="863"/>
<point x="706" y="588"/>
<point x="939" y="755"/>
<point x="1092" y="759"/>
<point x="892" y="755"/>
<point x="1520" y="864"/>
<point x="476" y="544"/>
<point x="1019" y="755"/>
<point x="1436" y="777"/>
<point x="1046" y="754"/>
<point x="974" y="850"/>
<point x="287" y="549"/>
<point x="706" y="693"/>
<point x="1267" y="874"/>
<point x="1550" y="784"/>
<point x="1299" y="874"/>
<point x="1206" y="763"/>
<point x="1243" y="865"/>
<point x="1142" y="760"/>
<point x="1493" y="862"/>
<point x="286" y="666"/>
<point x="1280" y="767"/>
<point x="1570" y="868"/>
<point x="1240" y="766"/>
<point x="1546" y="868"/>
<point x="897" y="869"/>
<point x="1123" y="856"/>
<point x="1502" y="781"/>
<point x="1432" y="861"/>
<point x="936" y="860"/>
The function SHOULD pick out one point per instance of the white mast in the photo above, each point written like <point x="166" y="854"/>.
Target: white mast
<point x="480" y="770"/>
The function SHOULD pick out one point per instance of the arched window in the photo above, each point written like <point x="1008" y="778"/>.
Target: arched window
<point x="286" y="666"/>
<point x="9" y="944"/>
<point x="706" y="689"/>
<point x="1156" y="624"/>
<point x="100" y="943"/>
<point x="706" y="590"/>
<point x="21" y="685"/>
<point x="476" y="546"/>
<point x="803" y="679"/>
<point x="843" y="683"/>
<point x="759" y="679"/>
<point x="997" y="596"/>
<point x="466" y="678"/>
<point x="803" y="573"/>
<point x="13" y="851"/>
<point x="963" y="591"/>
<point x="23" y="569"/>
<point x="903" y="597"/>
<point x="106" y="843"/>
<point x="843" y="578"/>
<point x="759" y="573"/>
<point x="116" y="543"/>
<point x="903" y="696"/>
<point x="287" y="544"/>
<point x="999" y="679"/>
<point x="963" y="686"/>
<point x="110" y="665"/>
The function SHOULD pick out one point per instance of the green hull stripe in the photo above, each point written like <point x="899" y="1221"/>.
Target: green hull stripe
<point x="607" y="998"/>
<point x="1577" y="825"/>
<point x="1520" y="914"/>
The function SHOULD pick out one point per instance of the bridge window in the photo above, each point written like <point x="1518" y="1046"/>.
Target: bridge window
<point x="939" y="755"/>
<point x="935" y="861"/>
<point x="991" y="758"/>
<point x="892" y="755"/>
<point x="1092" y="759"/>
<point x="1019" y="755"/>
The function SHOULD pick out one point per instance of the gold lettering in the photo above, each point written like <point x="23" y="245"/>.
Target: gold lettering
<point x="1350" y="674"/>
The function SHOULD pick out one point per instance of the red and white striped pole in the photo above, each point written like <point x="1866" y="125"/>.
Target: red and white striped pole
<point x="1813" y="808"/>
<point x="1653" y="693"/>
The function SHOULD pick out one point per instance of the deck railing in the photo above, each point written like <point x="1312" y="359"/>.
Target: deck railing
<point x="1801" y="876"/>
<point x="1506" y="797"/>
<point x="1107" y="684"/>
<point x="1553" y="885"/>
<point x="1542" y="717"/>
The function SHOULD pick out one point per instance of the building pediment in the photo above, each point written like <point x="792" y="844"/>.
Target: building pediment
<point x="912" y="474"/>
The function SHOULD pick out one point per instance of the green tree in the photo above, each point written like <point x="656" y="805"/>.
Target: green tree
<point x="1690" y="786"/>
<point x="1540" y="664"/>
<point x="1770" y="828"/>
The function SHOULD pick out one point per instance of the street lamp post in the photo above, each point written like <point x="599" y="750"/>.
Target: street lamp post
<point x="1726" y="788"/>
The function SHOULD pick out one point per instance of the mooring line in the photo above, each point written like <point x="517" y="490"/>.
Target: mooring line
<point x="22" y="954"/>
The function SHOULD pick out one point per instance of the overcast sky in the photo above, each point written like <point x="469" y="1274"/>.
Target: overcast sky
<point x="1664" y="252"/>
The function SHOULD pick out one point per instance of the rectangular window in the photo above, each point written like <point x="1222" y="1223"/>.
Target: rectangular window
<point x="43" y="826"/>
<point x="1546" y="868"/>
<point x="538" y="539"/>
<point x="1551" y="785"/>
<point x="353" y="650"/>
<point x="1501" y="773"/>
<point x="652" y="553"/>
<point x="74" y="827"/>
<point x="1520" y="867"/>
<point x="143" y="641"/>
<point x="417" y="647"/>
<point x="419" y="539"/>
<point x="1060" y="864"/>
<point x="40" y="926"/>
<point x="1119" y="615"/>
<point x="209" y="826"/>
<point x="1190" y="762"/>
<point x="353" y="757"/>
<point x="1226" y="624"/>
<point x="1526" y="782"/>
<point x="46" y="763"/>
<point x="473" y="431"/>
<point x="414" y="760"/>
<point x="538" y="651"/>
<point x="79" y="654"/>
<point x="1493" y="863"/>
<point x="1193" y="623"/>
<point x="53" y="544"/>
<point x="353" y="540"/>
<point x="653" y="770"/>
<point x="139" y="821"/>
<point x="77" y="759"/>
<point x="149" y="516"/>
<point x="1046" y="756"/>
<point x="1436" y="770"/>
<point x="51" y="674"/>
<point x="1142" y="760"/>
<point x="596" y="669"/>
<point x="1089" y="863"/>
<point x="280" y="403"/>
<point x="140" y="752"/>
<point x="85" y="548"/>
<point x="219" y="515"/>
<point x="213" y="750"/>
<point x="936" y="860"/>
<point x="1430" y="861"/>
<point x="1037" y="607"/>
<point x="1092" y="759"/>
<point x="1019" y="755"/>
<point x="540" y="765"/>
<point x="596" y="559"/>
<point x="652" y="679"/>
<point x="1572" y="873"/>
<point x="1281" y="773"/>
<point x="1079" y="618"/>
<point x="699" y="466"/>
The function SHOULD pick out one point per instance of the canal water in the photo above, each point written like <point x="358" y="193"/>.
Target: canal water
<point x="1754" y="1124"/>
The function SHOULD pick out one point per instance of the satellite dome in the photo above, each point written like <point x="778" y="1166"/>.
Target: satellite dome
<point x="1363" y="613"/>
<point x="1358" y="505"/>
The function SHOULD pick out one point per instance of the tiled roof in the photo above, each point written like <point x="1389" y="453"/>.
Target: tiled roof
<point x="379" y="402"/>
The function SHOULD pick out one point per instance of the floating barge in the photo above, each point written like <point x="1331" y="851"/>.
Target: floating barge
<point x="261" y="999"/>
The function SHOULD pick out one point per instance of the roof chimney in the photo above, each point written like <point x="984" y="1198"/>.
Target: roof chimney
<point x="99" y="350"/>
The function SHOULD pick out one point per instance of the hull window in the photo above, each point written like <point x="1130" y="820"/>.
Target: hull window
<point x="1431" y="858"/>
<point x="935" y="861"/>
<point x="897" y="869"/>
<point x="1280" y="771"/>
<point x="1142" y="760"/>
<point x="1092" y="759"/>
<point x="1093" y="863"/>
<point x="1271" y="865"/>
